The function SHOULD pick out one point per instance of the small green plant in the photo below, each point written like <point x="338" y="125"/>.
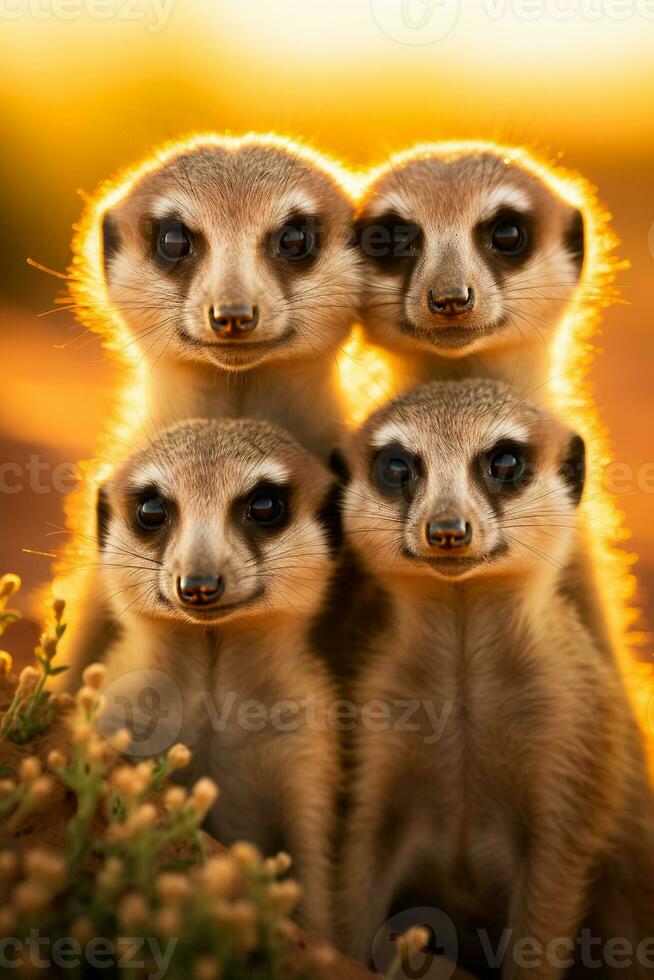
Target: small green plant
<point x="134" y="865"/>
<point x="133" y="861"/>
<point x="32" y="708"/>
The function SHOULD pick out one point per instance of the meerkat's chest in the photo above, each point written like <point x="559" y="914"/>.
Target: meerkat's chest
<point x="470" y="755"/>
<point x="307" y="403"/>
<point x="265" y="727"/>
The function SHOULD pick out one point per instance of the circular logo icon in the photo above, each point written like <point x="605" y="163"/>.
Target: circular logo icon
<point x="390" y="946"/>
<point x="148" y="704"/>
<point x="437" y="962"/>
<point x="415" y="21"/>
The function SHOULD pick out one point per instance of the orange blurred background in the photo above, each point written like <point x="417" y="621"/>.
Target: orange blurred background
<point x="89" y="85"/>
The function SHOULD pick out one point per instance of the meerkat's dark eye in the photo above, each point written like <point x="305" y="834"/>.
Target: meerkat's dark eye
<point x="174" y="242"/>
<point x="507" y="466"/>
<point x="294" y="241"/>
<point x="395" y="470"/>
<point x="266" y="508"/>
<point x="151" y="513"/>
<point x="508" y="237"/>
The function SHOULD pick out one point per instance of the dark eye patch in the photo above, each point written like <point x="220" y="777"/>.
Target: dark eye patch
<point x="389" y="240"/>
<point x="573" y="468"/>
<point x="574" y="240"/>
<point x="152" y="514"/>
<point x="298" y="242"/>
<point x="149" y="510"/>
<point x="507" y="238"/>
<point x="506" y="468"/>
<point x="110" y="240"/>
<point x="170" y="243"/>
<point x="330" y="517"/>
<point x="102" y="517"/>
<point x="395" y="471"/>
<point x="266" y="508"/>
<point x="173" y="243"/>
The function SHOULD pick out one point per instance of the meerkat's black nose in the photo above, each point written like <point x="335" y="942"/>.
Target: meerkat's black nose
<point x="233" y="322"/>
<point x="449" y="534"/>
<point x="451" y="302"/>
<point x="200" y="590"/>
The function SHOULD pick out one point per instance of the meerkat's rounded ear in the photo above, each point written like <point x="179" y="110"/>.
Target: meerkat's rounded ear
<point x="575" y="239"/>
<point x="573" y="469"/>
<point x="110" y="239"/>
<point x="102" y="517"/>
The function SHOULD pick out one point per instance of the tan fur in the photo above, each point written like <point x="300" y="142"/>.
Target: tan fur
<point x="277" y="777"/>
<point x="509" y="331"/>
<point x="233" y="200"/>
<point x="519" y="807"/>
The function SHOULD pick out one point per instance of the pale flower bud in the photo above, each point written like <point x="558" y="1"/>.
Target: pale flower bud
<point x="173" y="887"/>
<point x="45" y="866"/>
<point x="9" y="584"/>
<point x="418" y="937"/>
<point x="94" y="676"/>
<point x="179" y="756"/>
<point x="56" y="759"/>
<point x="175" y="797"/>
<point x="49" y="646"/>
<point x="145" y="816"/>
<point x="204" y="794"/>
<point x="30" y="897"/>
<point x="30" y="769"/>
<point x="120" y="740"/>
<point x="245" y="854"/>
<point x="132" y="911"/>
<point x="41" y="787"/>
<point x="8" y="864"/>
<point x="205" y="968"/>
<point x="285" y="894"/>
<point x="87" y="698"/>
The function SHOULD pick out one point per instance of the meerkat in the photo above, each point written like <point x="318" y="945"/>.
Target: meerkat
<point x="230" y="263"/>
<point x="471" y="260"/>
<point x="216" y="548"/>
<point x="230" y="266"/>
<point x="501" y="776"/>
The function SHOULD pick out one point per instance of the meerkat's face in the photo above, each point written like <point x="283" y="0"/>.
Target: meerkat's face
<point x="464" y="255"/>
<point x="217" y="521"/>
<point x="457" y="480"/>
<point x="234" y="257"/>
